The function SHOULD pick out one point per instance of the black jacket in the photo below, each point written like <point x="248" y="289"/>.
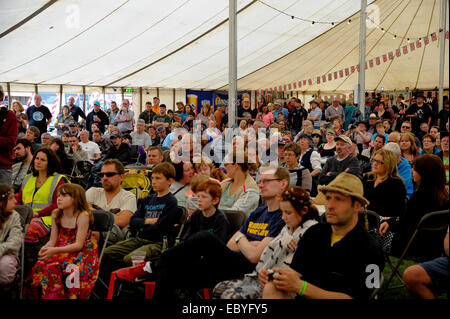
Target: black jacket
<point x="123" y="154"/>
<point x="104" y="120"/>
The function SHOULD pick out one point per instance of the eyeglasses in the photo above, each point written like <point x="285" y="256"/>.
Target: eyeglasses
<point x="378" y="162"/>
<point x="265" y="181"/>
<point x="408" y="127"/>
<point x="108" y="174"/>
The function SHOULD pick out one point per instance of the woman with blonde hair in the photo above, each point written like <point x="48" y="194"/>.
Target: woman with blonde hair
<point x="408" y="147"/>
<point x="21" y="116"/>
<point x="383" y="187"/>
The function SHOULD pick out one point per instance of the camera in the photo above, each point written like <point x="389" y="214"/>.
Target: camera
<point x="271" y="273"/>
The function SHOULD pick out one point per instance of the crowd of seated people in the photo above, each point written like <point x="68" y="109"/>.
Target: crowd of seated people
<point x="277" y="166"/>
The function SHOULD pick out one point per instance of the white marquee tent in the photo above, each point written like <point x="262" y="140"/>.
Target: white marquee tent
<point x="184" y="43"/>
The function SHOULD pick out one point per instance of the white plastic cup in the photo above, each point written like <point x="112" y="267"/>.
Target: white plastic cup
<point x="137" y="258"/>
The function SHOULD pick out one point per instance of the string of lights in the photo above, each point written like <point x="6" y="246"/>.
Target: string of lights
<point x="394" y="36"/>
<point x="333" y="23"/>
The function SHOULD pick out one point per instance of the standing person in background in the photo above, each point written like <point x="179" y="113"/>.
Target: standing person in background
<point x="75" y="111"/>
<point x="218" y="115"/>
<point x="39" y="115"/>
<point x="335" y="111"/>
<point x="443" y="116"/>
<point x="9" y="129"/>
<point x="315" y="115"/>
<point x="125" y="118"/>
<point x="162" y="119"/>
<point x="62" y="121"/>
<point x="155" y="106"/>
<point x="245" y="111"/>
<point x="21" y="117"/>
<point x="112" y="112"/>
<point x="349" y="112"/>
<point x="296" y="117"/>
<point x="97" y="116"/>
<point x="418" y="113"/>
<point x="147" y="115"/>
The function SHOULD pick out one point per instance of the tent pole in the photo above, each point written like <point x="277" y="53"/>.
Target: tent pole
<point x="442" y="54"/>
<point x="104" y="98"/>
<point x="60" y="97"/>
<point x="232" y="64"/>
<point x="362" y="57"/>
<point x="8" y="88"/>
<point x="84" y="99"/>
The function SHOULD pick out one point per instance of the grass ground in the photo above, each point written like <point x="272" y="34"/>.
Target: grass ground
<point x="402" y="292"/>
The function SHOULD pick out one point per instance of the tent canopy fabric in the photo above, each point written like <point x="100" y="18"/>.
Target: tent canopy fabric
<point x="184" y="43"/>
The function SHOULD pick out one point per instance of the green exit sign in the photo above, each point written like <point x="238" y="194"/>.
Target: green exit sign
<point x="129" y="90"/>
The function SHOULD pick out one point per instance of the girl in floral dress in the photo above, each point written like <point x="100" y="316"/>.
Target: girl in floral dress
<point x="68" y="264"/>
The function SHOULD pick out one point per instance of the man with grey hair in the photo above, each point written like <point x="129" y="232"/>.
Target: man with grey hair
<point x="140" y="137"/>
<point x="404" y="168"/>
<point x="394" y="137"/>
<point x="46" y="139"/>
<point x="335" y="111"/>
<point x="125" y="118"/>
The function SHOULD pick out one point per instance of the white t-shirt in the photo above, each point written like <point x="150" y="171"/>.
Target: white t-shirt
<point x="124" y="200"/>
<point x="91" y="148"/>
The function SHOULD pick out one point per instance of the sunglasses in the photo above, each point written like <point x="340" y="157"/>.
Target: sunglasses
<point x="408" y="127"/>
<point x="378" y="162"/>
<point x="108" y="174"/>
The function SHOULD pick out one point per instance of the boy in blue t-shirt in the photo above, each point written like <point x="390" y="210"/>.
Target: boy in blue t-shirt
<point x="203" y="260"/>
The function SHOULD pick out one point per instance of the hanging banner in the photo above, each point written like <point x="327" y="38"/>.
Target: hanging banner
<point x="418" y="44"/>
<point x="434" y="36"/>
<point x="405" y="49"/>
<point x="347" y="73"/>
<point x="197" y="99"/>
<point x="391" y="55"/>
<point x="412" y="46"/>
<point x="324" y="78"/>
<point x="426" y="40"/>
<point x="318" y="80"/>
<point x="398" y="53"/>
<point x="371" y="63"/>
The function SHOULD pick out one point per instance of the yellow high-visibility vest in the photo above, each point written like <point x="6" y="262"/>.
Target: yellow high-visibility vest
<point x="43" y="197"/>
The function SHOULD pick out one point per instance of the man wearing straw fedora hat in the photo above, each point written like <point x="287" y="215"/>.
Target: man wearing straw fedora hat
<point x="334" y="260"/>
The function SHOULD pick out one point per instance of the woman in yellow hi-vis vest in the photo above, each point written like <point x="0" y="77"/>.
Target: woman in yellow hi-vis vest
<point x="38" y="191"/>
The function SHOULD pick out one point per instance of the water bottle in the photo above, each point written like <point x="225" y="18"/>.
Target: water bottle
<point x="165" y="244"/>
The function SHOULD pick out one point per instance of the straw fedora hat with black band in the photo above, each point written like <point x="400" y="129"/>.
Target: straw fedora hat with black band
<point x="344" y="183"/>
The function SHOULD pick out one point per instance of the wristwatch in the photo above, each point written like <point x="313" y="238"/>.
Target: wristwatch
<point x="238" y="238"/>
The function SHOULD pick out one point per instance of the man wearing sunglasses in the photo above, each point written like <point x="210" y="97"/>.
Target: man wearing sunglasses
<point x="111" y="197"/>
<point x="407" y="128"/>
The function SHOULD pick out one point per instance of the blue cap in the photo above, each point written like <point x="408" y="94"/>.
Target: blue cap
<point x="97" y="103"/>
